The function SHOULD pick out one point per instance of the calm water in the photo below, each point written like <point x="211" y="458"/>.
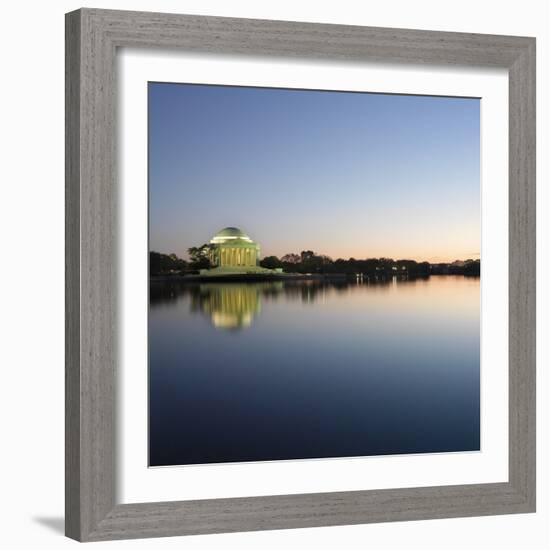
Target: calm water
<point x="287" y="370"/>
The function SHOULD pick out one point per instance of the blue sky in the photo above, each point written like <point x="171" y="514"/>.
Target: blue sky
<point x="344" y="174"/>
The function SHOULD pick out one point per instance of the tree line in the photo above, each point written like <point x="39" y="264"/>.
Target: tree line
<point x="164" y="264"/>
<point x="310" y="262"/>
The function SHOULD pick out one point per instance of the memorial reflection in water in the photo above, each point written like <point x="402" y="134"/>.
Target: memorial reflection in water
<point x="235" y="305"/>
<point x="277" y="370"/>
<point x="229" y="306"/>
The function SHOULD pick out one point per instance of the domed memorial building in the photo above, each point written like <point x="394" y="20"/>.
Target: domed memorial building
<point x="233" y="252"/>
<point x="231" y="247"/>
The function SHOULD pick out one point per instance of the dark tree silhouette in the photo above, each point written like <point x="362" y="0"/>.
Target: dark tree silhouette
<point x="310" y="262"/>
<point x="199" y="256"/>
<point x="163" y="264"/>
<point x="271" y="262"/>
<point x="291" y="259"/>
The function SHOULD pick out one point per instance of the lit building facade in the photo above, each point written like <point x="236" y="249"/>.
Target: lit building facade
<point x="232" y="248"/>
<point x="232" y="253"/>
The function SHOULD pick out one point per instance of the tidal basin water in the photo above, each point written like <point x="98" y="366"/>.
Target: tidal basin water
<point x="308" y="369"/>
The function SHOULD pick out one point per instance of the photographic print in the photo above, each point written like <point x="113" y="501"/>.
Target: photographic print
<point x="314" y="274"/>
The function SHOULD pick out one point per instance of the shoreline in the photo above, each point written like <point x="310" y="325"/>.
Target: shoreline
<point x="242" y="277"/>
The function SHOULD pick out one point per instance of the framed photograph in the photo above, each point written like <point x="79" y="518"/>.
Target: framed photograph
<point x="300" y="276"/>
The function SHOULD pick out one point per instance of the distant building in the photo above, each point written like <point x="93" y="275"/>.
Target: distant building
<point x="233" y="252"/>
<point x="231" y="247"/>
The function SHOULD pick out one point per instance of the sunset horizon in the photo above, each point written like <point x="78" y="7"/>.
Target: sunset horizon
<point x="267" y="252"/>
<point x="347" y="175"/>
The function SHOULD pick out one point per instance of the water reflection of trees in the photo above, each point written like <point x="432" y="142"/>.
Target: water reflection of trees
<point x="235" y="305"/>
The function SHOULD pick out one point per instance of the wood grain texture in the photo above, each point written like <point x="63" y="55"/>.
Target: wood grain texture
<point x="522" y="274"/>
<point x="92" y="37"/>
<point x="72" y="277"/>
<point x="91" y="254"/>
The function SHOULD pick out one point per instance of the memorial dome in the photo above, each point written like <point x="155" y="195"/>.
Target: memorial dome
<point x="230" y="234"/>
<point x="232" y="248"/>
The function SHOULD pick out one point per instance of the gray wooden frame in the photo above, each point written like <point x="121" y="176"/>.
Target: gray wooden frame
<point x="92" y="38"/>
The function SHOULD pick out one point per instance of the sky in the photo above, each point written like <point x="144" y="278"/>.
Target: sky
<point x="343" y="174"/>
